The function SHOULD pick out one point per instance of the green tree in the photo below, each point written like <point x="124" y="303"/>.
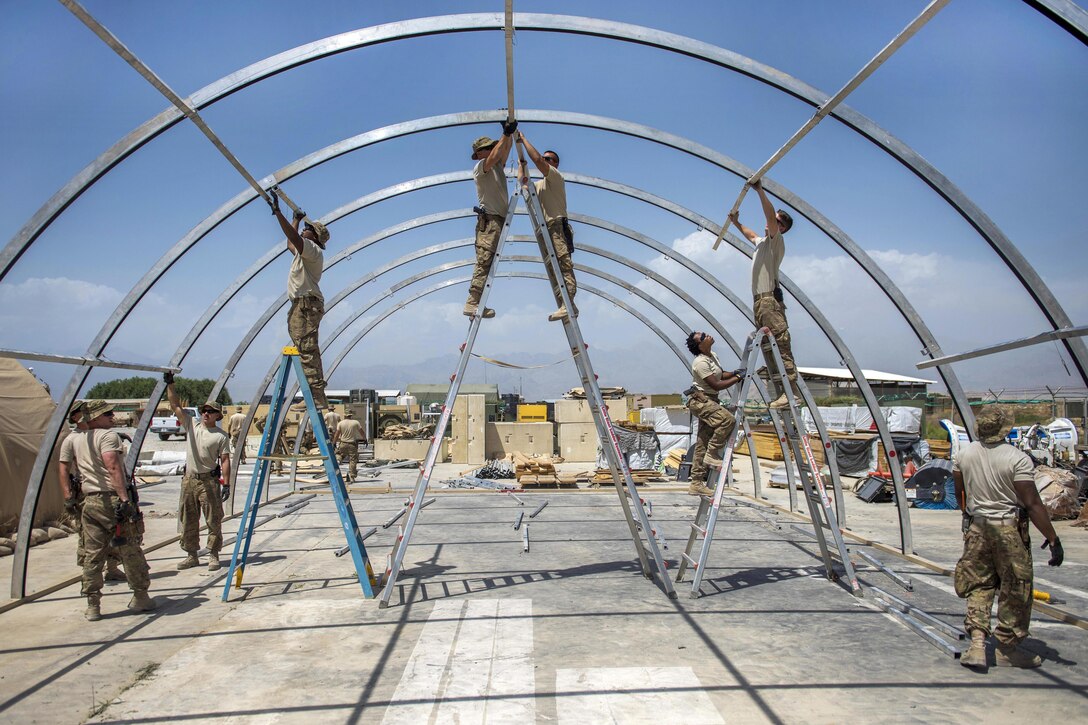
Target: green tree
<point x="191" y="390"/>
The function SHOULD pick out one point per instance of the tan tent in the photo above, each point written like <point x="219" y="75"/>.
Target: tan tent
<point x="25" y="409"/>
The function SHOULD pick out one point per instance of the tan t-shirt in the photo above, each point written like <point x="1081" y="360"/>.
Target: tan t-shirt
<point x="989" y="470"/>
<point x="350" y="431"/>
<point x="702" y="367"/>
<point x="552" y="190"/>
<point x="332" y="419"/>
<point x="491" y="189"/>
<point x="85" y="448"/>
<point x="235" y="424"/>
<point x="765" y="263"/>
<point x="306" y="272"/>
<point x="203" y="447"/>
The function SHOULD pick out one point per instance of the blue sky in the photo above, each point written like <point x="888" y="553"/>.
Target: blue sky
<point x="990" y="92"/>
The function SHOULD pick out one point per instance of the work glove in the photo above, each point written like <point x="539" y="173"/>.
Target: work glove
<point x="965" y="522"/>
<point x="509" y="127"/>
<point x="71" y="505"/>
<point x="168" y="377"/>
<point x="1057" y="553"/>
<point x="124" y="511"/>
<point x="224" y="492"/>
<point x="740" y="372"/>
<point x="273" y="200"/>
<point x="299" y="215"/>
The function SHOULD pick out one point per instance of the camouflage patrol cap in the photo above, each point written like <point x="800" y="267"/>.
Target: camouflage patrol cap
<point x="76" y="409"/>
<point x="95" y="408"/>
<point x="213" y="407"/>
<point x="991" y="422"/>
<point x="349" y="414"/>
<point x="320" y="231"/>
<point x="484" y="142"/>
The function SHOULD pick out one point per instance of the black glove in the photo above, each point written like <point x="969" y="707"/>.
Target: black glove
<point x="273" y="200"/>
<point x="298" y="215"/>
<point x="509" y="127"/>
<point x="168" y="377"/>
<point x="740" y="372"/>
<point x="1057" y="553"/>
<point x="224" y="492"/>
<point x="124" y="511"/>
<point x="71" y="505"/>
<point x="965" y="522"/>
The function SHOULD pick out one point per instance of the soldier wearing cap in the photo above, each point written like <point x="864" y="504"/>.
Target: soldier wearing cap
<point x="552" y="192"/>
<point x="307" y="302"/>
<point x="71" y="489"/>
<point x="349" y="434"/>
<point x="332" y="419"/>
<point x="995" y="485"/>
<point x="494" y="197"/>
<point x="768" y="306"/>
<point x="716" y="423"/>
<point x="207" y="449"/>
<point x="234" y="429"/>
<point x="107" y="510"/>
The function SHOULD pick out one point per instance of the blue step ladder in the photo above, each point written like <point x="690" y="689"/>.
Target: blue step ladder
<point x="290" y="362"/>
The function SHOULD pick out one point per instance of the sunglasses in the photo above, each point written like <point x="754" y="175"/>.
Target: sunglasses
<point x="551" y="159"/>
<point x="109" y="414"/>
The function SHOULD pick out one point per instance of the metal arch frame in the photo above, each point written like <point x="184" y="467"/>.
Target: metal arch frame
<point x="1060" y="11"/>
<point x="1065" y="13"/>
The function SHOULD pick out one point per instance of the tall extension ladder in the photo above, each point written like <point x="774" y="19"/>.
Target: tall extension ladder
<point x="820" y="509"/>
<point x="616" y="462"/>
<point x="291" y="362"/>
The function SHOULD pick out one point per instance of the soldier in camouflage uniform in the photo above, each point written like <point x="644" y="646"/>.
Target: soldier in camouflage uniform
<point x="349" y="433"/>
<point x="493" y="197"/>
<point x="768" y="307"/>
<point x="995" y="485"/>
<point x="107" y="509"/>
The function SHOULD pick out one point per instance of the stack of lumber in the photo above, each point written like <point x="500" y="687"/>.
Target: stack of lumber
<point x="535" y="470"/>
<point x="608" y="393"/>
<point x="768" y="447"/>
<point x="939" y="448"/>
<point x="675" y="457"/>
<point x="637" y="427"/>
<point x="641" y="476"/>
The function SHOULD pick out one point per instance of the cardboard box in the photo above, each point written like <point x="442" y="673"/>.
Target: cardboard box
<point x="411" y="448"/>
<point x="577" y="441"/>
<point x="528" y="438"/>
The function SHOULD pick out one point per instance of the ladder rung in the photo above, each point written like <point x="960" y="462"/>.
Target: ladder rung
<point x="698" y="528"/>
<point x="694" y="564"/>
<point x="315" y="457"/>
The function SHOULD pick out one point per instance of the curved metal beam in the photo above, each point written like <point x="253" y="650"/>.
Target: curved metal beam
<point x="670" y="42"/>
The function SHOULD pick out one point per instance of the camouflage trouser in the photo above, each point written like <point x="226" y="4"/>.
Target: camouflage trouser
<point x="996" y="558"/>
<point x="771" y="314"/>
<point x="303" y="321"/>
<point x="200" y="494"/>
<point x="488" y="228"/>
<point x="112" y="559"/>
<point x="716" y="424"/>
<point x="238" y="441"/>
<point x="99" y="522"/>
<point x="557" y="230"/>
<point x="349" y="452"/>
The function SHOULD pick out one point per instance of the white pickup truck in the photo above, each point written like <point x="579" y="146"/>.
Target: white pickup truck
<point x="169" y="425"/>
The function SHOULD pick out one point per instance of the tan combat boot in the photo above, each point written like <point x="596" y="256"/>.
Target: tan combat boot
<point x="189" y="562"/>
<point x="140" y="602"/>
<point x="975" y="655"/>
<point x="697" y="488"/>
<point x="470" y="311"/>
<point x="114" y="573"/>
<point x="780" y="402"/>
<point x="213" y="561"/>
<point x="93" y="613"/>
<point x="560" y="314"/>
<point x="1010" y="655"/>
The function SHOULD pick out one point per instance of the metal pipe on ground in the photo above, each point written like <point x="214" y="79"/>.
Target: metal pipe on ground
<point x="910" y="609"/>
<point x="365" y="535"/>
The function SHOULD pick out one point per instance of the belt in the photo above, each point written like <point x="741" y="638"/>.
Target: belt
<point x="995" y="522"/>
<point x="99" y="493"/>
<point x="764" y="295"/>
<point x="207" y="474"/>
<point x="483" y="212"/>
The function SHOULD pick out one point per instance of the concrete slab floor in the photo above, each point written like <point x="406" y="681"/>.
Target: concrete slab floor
<point x="569" y="632"/>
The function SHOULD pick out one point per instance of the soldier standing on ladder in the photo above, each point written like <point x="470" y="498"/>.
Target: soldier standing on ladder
<point x="491" y="191"/>
<point x="552" y="192"/>
<point x="716" y="423"/>
<point x="307" y="302"/>
<point x="995" y="486"/>
<point x="769" y="309"/>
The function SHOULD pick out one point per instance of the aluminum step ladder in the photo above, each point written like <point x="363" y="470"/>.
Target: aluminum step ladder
<point x="795" y="441"/>
<point x="646" y="551"/>
<point x="290" y="362"/>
